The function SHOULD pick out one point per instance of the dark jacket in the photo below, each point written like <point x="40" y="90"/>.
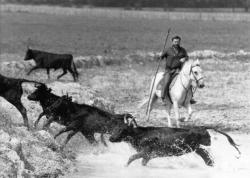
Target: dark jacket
<point x="173" y="56"/>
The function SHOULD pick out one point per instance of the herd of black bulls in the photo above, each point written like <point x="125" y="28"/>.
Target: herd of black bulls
<point x="149" y="142"/>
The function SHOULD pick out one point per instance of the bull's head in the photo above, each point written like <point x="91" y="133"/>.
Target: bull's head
<point x="121" y="132"/>
<point x="200" y="136"/>
<point x="28" y="55"/>
<point x="39" y="94"/>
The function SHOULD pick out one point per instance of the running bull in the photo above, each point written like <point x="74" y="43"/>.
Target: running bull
<point x="152" y="142"/>
<point x="49" y="61"/>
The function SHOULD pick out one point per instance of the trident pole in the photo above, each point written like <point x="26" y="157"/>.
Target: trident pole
<point x="158" y="66"/>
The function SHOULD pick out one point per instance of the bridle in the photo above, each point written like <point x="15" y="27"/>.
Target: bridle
<point x="191" y="71"/>
<point x="193" y="89"/>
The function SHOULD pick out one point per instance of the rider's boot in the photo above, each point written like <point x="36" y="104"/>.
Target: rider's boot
<point x="192" y="101"/>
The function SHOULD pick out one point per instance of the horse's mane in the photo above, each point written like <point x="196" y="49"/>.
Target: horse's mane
<point x="187" y="65"/>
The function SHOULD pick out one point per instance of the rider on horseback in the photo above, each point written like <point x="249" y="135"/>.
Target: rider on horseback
<point x="175" y="57"/>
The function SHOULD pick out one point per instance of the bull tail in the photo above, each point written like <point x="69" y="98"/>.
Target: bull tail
<point x="230" y="140"/>
<point x="75" y="70"/>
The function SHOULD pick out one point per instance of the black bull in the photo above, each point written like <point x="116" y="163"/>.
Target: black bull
<point x="11" y="90"/>
<point x="76" y="117"/>
<point x="152" y="142"/>
<point x="49" y="61"/>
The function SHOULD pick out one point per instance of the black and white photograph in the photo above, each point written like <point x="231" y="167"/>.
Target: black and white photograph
<point x="124" y="88"/>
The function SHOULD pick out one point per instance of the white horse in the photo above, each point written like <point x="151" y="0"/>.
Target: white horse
<point x="180" y="90"/>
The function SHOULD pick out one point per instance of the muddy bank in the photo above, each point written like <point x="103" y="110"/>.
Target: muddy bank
<point x="35" y="153"/>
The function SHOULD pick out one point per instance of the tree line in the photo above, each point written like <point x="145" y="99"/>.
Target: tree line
<point x="144" y="3"/>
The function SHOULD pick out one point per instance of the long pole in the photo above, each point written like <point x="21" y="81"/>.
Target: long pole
<point x="158" y="66"/>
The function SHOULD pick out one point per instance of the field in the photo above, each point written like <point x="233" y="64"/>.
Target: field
<point x="127" y="84"/>
<point x="225" y="60"/>
<point x="90" y="34"/>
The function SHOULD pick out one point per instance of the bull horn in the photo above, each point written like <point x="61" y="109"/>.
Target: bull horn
<point x="134" y="123"/>
<point x="126" y="119"/>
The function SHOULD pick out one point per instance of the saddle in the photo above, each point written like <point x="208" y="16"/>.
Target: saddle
<point x="172" y="79"/>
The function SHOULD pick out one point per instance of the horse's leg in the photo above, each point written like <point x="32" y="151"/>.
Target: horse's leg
<point x="190" y="112"/>
<point x="150" y="105"/>
<point x="177" y="114"/>
<point x="168" y="109"/>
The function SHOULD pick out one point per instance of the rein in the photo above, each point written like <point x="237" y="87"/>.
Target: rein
<point x="196" y="80"/>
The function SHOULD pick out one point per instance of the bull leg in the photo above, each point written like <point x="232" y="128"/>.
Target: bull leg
<point x="68" y="138"/>
<point x="91" y="138"/>
<point x="23" y="112"/>
<point x="205" y="156"/>
<point x="177" y="114"/>
<point x="48" y="122"/>
<point x="135" y="156"/>
<point x="103" y="140"/>
<point x="150" y="105"/>
<point x="34" y="68"/>
<point x="145" y="160"/>
<point x="64" y="73"/>
<point x="38" y="119"/>
<point x="48" y="73"/>
<point x="66" y="129"/>
<point x="72" y="73"/>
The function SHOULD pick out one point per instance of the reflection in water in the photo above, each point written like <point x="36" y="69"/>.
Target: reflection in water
<point x="101" y="162"/>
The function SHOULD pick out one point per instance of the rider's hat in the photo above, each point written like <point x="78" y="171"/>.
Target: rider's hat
<point x="176" y="37"/>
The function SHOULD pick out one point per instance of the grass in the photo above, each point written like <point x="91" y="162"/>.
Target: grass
<point x="90" y="35"/>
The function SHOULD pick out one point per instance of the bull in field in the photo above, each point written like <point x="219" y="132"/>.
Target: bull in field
<point x="11" y="90"/>
<point x="76" y="117"/>
<point x="152" y="142"/>
<point x="46" y="60"/>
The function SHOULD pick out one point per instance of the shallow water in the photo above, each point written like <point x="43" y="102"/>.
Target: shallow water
<point x="101" y="162"/>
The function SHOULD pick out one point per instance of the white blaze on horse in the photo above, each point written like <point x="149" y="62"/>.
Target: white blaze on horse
<point x="180" y="90"/>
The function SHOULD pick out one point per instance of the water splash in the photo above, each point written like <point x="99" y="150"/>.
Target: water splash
<point x="110" y="162"/>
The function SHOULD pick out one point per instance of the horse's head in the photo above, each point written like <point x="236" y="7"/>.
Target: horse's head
<point x="196" y="73"/>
